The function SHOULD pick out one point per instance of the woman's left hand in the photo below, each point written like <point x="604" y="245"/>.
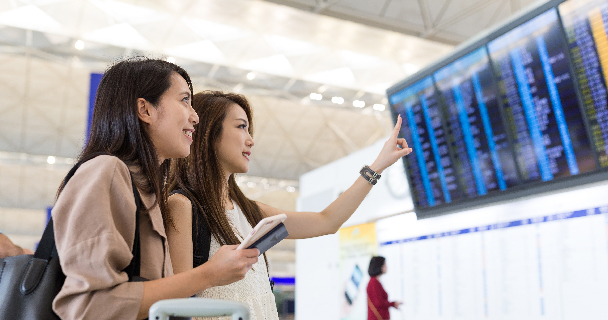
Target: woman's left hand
<point x="394" y="149"/>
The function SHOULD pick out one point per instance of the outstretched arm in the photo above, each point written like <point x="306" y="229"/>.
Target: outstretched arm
<point x="311" y="224"/>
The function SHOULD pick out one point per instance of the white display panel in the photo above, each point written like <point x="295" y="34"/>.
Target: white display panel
<point x="548" y="267"/>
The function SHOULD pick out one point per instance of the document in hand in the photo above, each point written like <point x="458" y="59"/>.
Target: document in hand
<point x="267" y="233"/>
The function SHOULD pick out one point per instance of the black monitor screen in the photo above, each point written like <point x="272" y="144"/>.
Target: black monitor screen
<point x="585" y="26"/>
<point x="518" y="110"/>
<point x="540" y="102"/>
<point x="431" y="168"/>
<point x="483" y="155"/>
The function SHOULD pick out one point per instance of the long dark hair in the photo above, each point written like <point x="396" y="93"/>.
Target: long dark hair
<point x="201" y="175"/>
<point x="375" y="266"/>
<point x="116" y="128"/>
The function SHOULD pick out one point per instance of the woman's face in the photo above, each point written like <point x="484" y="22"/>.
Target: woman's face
<point x="234" y="145"/>
<point x="174" y="120"/>
<point x="384" y="268"/>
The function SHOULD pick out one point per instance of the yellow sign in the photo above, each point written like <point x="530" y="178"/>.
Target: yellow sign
<point x="357" y="246"/>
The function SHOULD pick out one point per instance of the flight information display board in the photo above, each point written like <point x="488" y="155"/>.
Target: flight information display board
<point x="585" y="25"/>
<point x="433" y="181"/>
<point x="477" y="134"/>
<point x="521" y="110"/>
<point x="540" y="101"/>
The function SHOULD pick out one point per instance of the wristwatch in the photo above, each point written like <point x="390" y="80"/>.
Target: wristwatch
<point x="370" y="175"/>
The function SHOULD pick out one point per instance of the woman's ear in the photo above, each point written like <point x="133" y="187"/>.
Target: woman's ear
<point x="145" y="111"/>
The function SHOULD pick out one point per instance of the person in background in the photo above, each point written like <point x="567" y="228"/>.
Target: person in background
<point x="222" y="147"/>
<point x="142" y="118"/>
<point x="9" y="249"/>
<point x="377" y="298"/>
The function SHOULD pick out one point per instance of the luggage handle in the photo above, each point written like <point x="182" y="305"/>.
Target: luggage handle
<point x="198" y="307"/>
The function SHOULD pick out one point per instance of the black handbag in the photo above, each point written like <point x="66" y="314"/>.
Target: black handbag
<point x="29" y="283"/>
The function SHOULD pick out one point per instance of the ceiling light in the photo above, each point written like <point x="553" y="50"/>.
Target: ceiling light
<point x="291" y="189"/>
<point x="79" y="45"/>
<point x="50" y="160"/>
<point x="171" y="59"/>
<point x="379" y="107"/>
<point x="358" y="104"/>
<point x="316" y="96"/>
<point x="337" y="100"/>
<point x="251" y="184"/>
<point x="250" y="76"/>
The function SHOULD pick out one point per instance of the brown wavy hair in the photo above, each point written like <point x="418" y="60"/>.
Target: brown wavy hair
<point x="201" y="175"/>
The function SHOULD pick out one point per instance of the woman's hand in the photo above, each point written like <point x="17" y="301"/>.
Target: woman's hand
<point x="394" y="149"/>
<point x="228" y="265"/>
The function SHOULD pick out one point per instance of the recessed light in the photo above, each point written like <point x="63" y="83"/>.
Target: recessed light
<point x="358" y="104"/>
<point x="316" y="96"/>
<point x="379" y="107"/>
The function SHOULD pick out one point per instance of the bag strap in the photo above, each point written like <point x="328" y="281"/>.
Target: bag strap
<point x="134" y="267"/>
<point x="46" y="246"/>
<point x="47" y="249"/>
<point x="374" y="310"/>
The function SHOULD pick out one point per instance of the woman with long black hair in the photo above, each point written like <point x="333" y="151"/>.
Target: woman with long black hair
<point x="142" y="118"/>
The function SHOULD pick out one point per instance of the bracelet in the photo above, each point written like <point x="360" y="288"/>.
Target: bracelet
<point x="370" y="175"/>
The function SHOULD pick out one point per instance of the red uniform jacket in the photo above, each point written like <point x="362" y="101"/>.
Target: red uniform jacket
<point x="379" y="298"/>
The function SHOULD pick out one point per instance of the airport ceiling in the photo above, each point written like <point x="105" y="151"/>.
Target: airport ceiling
<point x="315" y="71"/>
<point x="444" y="21"/>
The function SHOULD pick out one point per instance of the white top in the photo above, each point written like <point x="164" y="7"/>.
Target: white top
<point x="254" y="289"/>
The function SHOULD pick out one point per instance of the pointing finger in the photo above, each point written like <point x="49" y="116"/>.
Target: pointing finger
<point x="397" y="128"/>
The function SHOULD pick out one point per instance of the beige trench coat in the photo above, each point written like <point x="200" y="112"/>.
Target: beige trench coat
<point x="94" y="222"/>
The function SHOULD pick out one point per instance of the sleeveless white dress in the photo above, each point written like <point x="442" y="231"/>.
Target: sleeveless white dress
<point x="254" y="290"/>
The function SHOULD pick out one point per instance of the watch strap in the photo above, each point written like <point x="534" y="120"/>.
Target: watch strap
<point x="370" y="175"/>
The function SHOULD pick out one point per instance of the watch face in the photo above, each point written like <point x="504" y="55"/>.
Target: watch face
<point x="396" y="180"/>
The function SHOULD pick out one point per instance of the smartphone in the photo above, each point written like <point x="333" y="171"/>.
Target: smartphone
<point x="352" y="285"/>
<point x="263" y="227"/>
